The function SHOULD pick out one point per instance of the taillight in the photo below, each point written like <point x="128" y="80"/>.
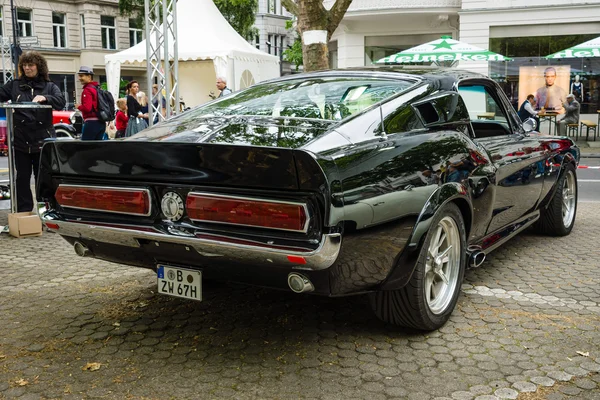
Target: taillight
<point x="132" y="201"/>
<point x="287" y="216"/>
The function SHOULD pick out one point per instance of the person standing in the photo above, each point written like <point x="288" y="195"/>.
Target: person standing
<point x="31" y="126"/>
<point x="93" y="128"/>
<point x="134" y="110"/>
<point x="163" y="108"/>
<point x="222" y="86"/>
<point x="121" y="118"/>
<point x="527" y="111"/>
<point x="571" y="114"/>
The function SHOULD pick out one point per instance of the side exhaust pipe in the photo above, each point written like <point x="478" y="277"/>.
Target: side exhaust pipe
<point x="476" y="258"/>
<point x="81" y="249"/>
<point x="299" y="283"/>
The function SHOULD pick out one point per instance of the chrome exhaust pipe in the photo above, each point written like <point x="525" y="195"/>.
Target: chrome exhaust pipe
<point x="81" y="249"/>
<point x="299" y="283"/>
<point x="476" y="259"/>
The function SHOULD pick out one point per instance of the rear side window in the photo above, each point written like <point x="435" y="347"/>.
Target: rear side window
<point x="403" y="119"/>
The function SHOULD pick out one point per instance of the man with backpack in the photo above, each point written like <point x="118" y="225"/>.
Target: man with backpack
<point x="97" y="106"/>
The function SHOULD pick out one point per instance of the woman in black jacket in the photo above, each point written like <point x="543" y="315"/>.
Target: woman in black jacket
<point x="31" y="126"/>
<point x="134" y="110"/>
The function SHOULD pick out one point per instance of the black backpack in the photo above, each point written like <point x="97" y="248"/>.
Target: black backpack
<point x="106" y="105"/>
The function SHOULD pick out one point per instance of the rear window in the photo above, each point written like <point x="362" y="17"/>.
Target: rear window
<point x="333" y="98"/>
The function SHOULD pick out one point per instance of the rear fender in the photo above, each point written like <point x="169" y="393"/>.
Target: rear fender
<point x="407" y="261"/>
<point x="571" y="156"/>
<point x="67" y="127"/>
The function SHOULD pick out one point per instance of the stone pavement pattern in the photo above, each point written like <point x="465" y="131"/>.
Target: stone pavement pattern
<point x="528" y="320"/>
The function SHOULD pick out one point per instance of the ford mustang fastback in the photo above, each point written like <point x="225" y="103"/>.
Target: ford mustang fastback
<point x="374" y="181"/>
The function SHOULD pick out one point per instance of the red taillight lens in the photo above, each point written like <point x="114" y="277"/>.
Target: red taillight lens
<point x="250" y="212"/>
<point x="124" y="201"/>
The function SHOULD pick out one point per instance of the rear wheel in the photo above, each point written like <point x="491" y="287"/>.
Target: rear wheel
<point x="559" y="217"/>
<point x="430" y="296"/>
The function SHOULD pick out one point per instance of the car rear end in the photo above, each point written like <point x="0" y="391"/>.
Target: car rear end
<point x="240" y="213"/>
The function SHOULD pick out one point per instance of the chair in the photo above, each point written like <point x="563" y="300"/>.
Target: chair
<point x="590" y="126"/>
<point x="573" y="129"/>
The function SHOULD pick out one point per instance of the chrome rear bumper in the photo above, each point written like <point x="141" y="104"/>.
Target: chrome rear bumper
<point x="207" y="245"/>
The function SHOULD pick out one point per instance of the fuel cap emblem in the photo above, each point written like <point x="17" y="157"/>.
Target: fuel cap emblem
<point x="172" y="206"/>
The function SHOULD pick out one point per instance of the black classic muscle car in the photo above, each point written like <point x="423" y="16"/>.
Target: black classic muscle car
<point x="335" y="183"/>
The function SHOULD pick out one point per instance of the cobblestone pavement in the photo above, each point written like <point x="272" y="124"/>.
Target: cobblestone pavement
<point x="73" y="328"/>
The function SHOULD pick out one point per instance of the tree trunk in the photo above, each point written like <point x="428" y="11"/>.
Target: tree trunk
<point x="316" y="57"/>
<point x="316" y="25"/>
<point x="312" y="18"/>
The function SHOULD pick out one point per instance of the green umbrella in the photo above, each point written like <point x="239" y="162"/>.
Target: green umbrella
<point x="441" y="50"/>
<point x="591" y="48"/>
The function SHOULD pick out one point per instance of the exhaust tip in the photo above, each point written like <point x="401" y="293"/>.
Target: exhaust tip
<point x="299" y="283"/>
<point x="81" y="249"/>
<point x="476" y="259"/>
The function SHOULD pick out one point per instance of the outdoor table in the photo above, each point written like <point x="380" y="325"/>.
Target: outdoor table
<point x="10" y="140"/>
<point x="551" y="118"/>
<point x="486" y="115"/>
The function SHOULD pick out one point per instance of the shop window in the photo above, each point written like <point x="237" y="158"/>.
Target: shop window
<point x="525" y="74"/>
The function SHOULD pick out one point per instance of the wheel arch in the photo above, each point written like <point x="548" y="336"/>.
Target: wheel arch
<point x="406" y="262"/>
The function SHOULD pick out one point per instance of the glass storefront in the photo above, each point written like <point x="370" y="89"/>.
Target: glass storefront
<point x="526" y="74"/>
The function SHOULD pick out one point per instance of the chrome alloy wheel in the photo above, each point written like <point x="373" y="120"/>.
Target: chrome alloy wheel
<point x="568" y="198"/>
<point x="442" y="266"/>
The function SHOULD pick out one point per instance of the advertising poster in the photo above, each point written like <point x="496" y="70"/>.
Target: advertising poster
<point x="549" y="85"/>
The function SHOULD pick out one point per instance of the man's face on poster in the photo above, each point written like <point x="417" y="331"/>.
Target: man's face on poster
<point x="550" y="77"/>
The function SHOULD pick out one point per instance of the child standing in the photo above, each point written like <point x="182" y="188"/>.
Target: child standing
<point x="121" y="118"/>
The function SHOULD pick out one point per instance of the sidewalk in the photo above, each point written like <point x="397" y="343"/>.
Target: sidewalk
<point x="589" y="149"/>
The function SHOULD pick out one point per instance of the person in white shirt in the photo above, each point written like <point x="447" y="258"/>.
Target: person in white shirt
<point x="527" y="111"/>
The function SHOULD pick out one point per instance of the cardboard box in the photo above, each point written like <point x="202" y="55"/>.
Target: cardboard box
<point x="24" y="224"/>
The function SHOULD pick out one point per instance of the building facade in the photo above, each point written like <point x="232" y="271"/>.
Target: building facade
<point x="273" y="37"/>
<point x="70" y="34"/>
<point x="525" y="31"/>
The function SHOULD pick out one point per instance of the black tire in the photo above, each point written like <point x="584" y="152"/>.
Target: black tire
<point x="410" y="305"/>
<point x="553" y="220"/>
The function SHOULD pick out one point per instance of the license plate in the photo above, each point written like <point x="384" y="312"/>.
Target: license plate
<point x="179" y="282"/>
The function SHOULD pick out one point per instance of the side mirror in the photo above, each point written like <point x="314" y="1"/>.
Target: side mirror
<point x="529" y="125"/>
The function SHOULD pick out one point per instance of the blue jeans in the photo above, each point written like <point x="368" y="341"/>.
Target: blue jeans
<point x="93" y="130"/>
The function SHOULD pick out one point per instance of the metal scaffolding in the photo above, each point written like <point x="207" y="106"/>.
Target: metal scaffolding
<point x="7" y="63"/>
<point x="162" y="57"/>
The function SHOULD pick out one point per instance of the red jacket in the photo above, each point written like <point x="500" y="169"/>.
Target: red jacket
<point x="121" y="121"/>
<point x="89" y="101"/>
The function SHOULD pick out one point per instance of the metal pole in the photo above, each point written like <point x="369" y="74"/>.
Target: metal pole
<point x="11" y="160"/>
<point x="175" y="76"/>
<point x="13" y="13"/>
<point x="149" y="68"/>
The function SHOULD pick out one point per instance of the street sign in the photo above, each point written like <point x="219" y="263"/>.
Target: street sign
<point x="28" y="40"/>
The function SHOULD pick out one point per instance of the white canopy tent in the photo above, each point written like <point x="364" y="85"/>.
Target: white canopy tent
<point x="208" y="47"/>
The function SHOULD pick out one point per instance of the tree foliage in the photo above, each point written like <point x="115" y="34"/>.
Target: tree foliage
<point x="294" y="53"/>
<point x="240" y="14"/>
